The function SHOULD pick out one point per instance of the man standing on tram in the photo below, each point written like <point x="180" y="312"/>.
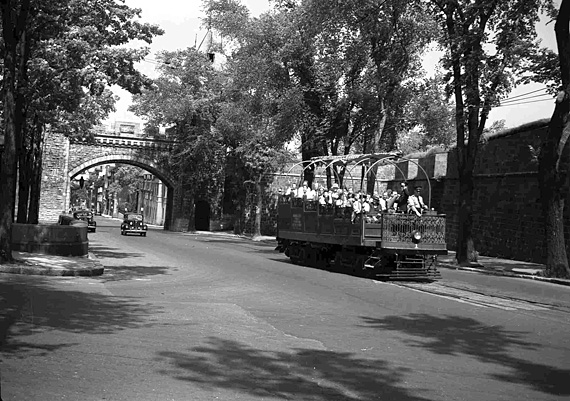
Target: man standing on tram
<point x="416" y="202"/>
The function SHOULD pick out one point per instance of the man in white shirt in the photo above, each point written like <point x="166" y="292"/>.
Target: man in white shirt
<point x="416" y="202"/>
<point x="302" y="191"/>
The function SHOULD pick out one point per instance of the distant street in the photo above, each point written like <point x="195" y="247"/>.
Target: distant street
<point x="211" y="317"/>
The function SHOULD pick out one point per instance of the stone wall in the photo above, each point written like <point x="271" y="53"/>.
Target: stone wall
<point x="62" y="160"/>
<point x="508" y="218"/>
<point x="55" y="182"/>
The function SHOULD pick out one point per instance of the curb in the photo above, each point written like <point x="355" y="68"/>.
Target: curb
<point x="506" y="274"/>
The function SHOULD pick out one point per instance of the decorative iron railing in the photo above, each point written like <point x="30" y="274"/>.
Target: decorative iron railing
<point x="398" y="227"/>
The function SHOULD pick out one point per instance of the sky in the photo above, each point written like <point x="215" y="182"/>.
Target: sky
<point x="182" y="26"/>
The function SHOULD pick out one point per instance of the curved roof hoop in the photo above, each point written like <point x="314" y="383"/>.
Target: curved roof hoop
<point x="389" y="160"/>
<point x="293" y="166"/>
<point x="420" y="167"/>
<point x="306" y="167"/>
<point x="355" y="165"/>
<point x="337" y="174"/>
<point x="427" y="179"/>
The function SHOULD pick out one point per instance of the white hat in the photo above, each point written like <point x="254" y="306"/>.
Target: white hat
<point x="335" y="185"/>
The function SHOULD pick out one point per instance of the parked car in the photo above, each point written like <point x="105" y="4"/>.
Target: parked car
<point x="133" y="223"/>
<point x="87" y="216"/>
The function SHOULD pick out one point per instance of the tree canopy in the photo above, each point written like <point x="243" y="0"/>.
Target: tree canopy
<point x="60" y="58"/>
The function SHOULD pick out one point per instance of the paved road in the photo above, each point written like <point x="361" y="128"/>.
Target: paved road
<point x="187" y="317"/>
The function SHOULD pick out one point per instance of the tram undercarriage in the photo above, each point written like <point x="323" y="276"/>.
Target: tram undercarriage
<point x="363" y="261"/>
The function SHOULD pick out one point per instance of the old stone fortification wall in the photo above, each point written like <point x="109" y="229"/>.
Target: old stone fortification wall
<point x="54" y="177"/>
<point x="508" y="219"/>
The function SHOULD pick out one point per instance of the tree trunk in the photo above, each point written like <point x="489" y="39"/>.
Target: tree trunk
<point x="465" y="247"/>
<point x="553" y="177"/>
<point x="23" y="185"/>
<point x="9" y="157"/>
<point x="554" y="158"/>
<point x="190" y="198"/>
<point x="258" y="208"/>
<point x="556" y="256"/>
<point x="36" y="183"/>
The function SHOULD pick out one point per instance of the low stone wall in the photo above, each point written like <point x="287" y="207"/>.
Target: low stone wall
<point x="51" y="239"/>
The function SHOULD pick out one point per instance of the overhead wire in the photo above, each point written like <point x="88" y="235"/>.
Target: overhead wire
<point x="525" y="98"/>
<point x="530" y="101"/>
<point x="524" y="94"/>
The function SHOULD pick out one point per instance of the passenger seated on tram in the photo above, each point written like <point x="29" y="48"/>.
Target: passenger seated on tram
<point x="340" y="200"/>
<point x="335" y="193"/>
<point x="366" y="201"/>
<point x="383" y="202"/>
<point x="356" y="208"/>
<point x="392" y="202"/>
<point x="323" y="198"/>
<point x="291" y="189"/>
<point x="303" y="189"/>
<point x="416" y="202"/>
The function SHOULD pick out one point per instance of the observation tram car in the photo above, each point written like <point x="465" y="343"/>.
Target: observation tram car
<point x="393" y="246"/>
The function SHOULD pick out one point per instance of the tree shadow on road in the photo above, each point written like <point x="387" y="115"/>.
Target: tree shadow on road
<point x="453" y="335"/>
<point x="128" y="272"/>
<point x="302" y="374"/>
<point x="115" y="253"/>
<point x="30" y="306"/>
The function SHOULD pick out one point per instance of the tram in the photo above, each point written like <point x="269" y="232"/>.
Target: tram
<point x="391" y="246"/>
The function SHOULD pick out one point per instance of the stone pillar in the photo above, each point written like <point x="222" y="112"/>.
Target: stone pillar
<point x="159" y="204"/>
<point x="54" y="193"/>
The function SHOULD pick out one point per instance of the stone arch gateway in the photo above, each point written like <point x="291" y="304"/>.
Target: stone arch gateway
<point x="64" y="159"/>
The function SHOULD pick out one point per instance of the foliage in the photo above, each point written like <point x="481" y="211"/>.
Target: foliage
<point x="59" y="58"/>
<point x="430" y="115"/>
<point x="185" y="98"/>
<point x="127" y="177"/>
<point x="488" y="43"/>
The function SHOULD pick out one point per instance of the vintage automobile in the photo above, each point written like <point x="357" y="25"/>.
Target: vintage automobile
<point x="87" y="216"/>
<point x="133" y="223"/>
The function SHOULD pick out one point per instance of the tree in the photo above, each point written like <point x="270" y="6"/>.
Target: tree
<point x="14" y="19"/>
<point x="73" y="61"/>
<point x="487" y="43"/>
<point x="56" y="56"/>
<point x="336" y="67"/>
<point x="185" y="99"/>
<point x="554" y="156"/>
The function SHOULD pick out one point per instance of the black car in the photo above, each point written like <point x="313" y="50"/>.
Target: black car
<point x="87" y="216"/>
<point x="133" y="223"/>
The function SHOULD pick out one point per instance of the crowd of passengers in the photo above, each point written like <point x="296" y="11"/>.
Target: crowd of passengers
<point x="358" y="205"/>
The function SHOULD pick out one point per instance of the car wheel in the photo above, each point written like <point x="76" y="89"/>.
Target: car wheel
<point x="144" y="234"/>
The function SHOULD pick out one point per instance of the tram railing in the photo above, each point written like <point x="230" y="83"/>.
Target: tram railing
<point x="303" y="215"/>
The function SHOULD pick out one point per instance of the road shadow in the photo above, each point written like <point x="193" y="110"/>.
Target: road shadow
<point x="30" y="305"/>
<point x="455" y="335"/>
<point x="128" y="272"/>
<point x="262" y="247"/>
<point x="116" y="253"/>
<point x="302" y="374"/>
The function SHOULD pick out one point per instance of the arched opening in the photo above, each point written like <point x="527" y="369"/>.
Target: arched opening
<point x="153" y="195"/>
<point x="202" y="215"/>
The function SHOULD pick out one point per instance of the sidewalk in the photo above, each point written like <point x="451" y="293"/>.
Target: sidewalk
<point x="501" y="267"/>
<point x="50" y="265"/>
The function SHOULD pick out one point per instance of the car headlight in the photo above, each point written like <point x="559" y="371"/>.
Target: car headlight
<point x="145" y="228"/>
<point x="416" y="237"/>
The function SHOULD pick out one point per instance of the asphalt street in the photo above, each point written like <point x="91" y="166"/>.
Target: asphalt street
<point x="179" y="316"/>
